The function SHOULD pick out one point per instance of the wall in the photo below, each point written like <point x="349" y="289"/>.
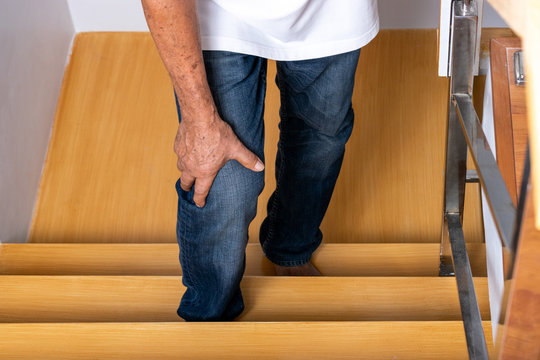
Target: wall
<point x="107" y="15"/>
<point x="126" y="15"/>
<point x="35" y="38"/>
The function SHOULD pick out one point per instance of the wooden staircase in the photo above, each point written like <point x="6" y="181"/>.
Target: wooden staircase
<point x="118" y="301"/>
<point x="109" y="178"/>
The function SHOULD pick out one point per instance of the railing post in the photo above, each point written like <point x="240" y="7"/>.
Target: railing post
<point x="454" y="257"/>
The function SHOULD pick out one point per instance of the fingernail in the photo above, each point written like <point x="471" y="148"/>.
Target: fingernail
<point x="200" y="205"/>
<point x="259" y="166"/>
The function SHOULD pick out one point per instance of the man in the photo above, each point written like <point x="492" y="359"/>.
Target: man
<point x="220" y="140"/>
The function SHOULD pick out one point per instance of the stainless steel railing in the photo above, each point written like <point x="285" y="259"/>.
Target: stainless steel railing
<point x="465" y="132"/>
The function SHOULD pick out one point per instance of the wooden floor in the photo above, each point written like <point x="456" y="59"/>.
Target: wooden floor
<point x="152" y="298"/>
<point x="332" y="259"/>
<point x="414" y="340"/>
<point x="119" y="301"/>
<point x="110" y="170"/>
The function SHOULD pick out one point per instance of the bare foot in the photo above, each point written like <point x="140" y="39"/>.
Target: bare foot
<point x="302" y="270"/>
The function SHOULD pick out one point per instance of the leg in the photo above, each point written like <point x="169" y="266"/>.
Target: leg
<point x="212" y="239"/>
<point x="316" y="122"/>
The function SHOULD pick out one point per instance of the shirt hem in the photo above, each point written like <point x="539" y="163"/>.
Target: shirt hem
<point x="289" y="52"/>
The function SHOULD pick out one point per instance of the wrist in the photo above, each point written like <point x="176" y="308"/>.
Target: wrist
<point x="199" y="114"/>
<point x="197" y="108"/>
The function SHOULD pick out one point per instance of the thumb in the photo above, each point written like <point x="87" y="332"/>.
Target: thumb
<point x="248" y="159"/>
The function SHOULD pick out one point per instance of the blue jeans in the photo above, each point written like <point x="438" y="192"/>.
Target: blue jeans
<point x="316" y="122"/>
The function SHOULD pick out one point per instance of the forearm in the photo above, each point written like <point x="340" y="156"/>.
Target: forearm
<point x="174" y="27"/>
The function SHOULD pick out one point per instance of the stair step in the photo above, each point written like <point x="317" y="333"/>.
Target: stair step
<point x="400" y="259"/>
<point x="29" y="298"/>
<point x="238" y="340"/>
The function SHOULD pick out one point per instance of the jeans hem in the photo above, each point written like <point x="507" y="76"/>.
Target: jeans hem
<point x="287" y="263"/>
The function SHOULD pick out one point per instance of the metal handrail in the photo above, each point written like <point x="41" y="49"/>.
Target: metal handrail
<point x="499" y="200"/>
<point x="465" y="132"/>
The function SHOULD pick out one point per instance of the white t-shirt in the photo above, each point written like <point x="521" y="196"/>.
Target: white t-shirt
<point x="287" y="29"/>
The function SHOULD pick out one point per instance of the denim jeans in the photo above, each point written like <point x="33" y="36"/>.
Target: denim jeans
<point x="316" y="122"/>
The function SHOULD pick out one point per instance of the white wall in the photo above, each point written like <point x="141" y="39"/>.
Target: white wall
<point x="127" y="15"/>
<point x="107" y="15"/>
<point x="35" y="38"/>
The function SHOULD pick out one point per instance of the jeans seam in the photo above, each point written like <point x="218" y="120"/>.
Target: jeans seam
<point x="274" y="209"/>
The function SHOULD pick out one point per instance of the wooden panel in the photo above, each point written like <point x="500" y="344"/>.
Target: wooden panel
<point x="519" y="122"/>
<point x="521" y="331"/>
<point x="110" y="169"/>
<point x="443" y="340"/>
<point x="524" y="18"/>
<point x="518" y="107"/>
<point x="480" y="81"/>
<point x="502" y="111"/>
<point x="29" y="298"/>
<point x="485" y="43"/>
<point x="162" y="259"/>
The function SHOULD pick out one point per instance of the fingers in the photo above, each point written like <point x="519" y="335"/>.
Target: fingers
<point x="248" y="159"/>
<point x="186" y="181"/>
<point x="202" y="187"/>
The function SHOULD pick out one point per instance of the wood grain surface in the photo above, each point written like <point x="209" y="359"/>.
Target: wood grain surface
<point x="27" y="298"/>
<point x="442" y="340"/>
<point x="521" y="331"/>
<point x="110" y="170"/>
<point x="509" y="113"/>
<point x="523" y="16"/>
<point x="386" y="259"/>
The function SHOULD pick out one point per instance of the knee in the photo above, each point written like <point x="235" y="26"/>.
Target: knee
<point x="236" y="188"/>
<point x="234" y="193"/>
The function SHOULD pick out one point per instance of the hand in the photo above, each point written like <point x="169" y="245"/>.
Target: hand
<point x="203" y="148"/>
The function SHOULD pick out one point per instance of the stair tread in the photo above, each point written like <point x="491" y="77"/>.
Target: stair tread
<point x="334" y="259"/>
<point x="238" y="340"/>
<point x="156" y="298"/>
